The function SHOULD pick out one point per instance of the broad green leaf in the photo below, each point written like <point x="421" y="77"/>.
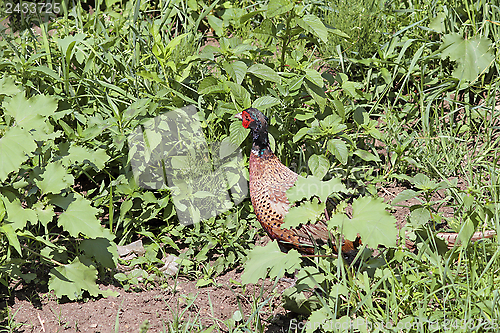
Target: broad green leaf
<point x="44" y="215"/>
<point x="47" y="71"/>
<point x="306" y="212"/>
<point x="404" y="196"/>
<point x="265" y="102"/>
<point x="313" y="186"/>
<point x="264" y="72"/>
<point x="73" y="279"/>
<point x="68" y="43"/>
<point x="316" y="93"/>
<point x="339" y="149"/>
<point x="466" y="232"/>
<point x="80" y="218"/>
<point x="423" y="182"/>
<point x="237" y="133"/>
<point x="319" y="165"/>
<point x="15" y="146"/>
<point x="338" y="289"/>
<point x="419" y="217"/>
<point x="55" y="179"/>
<point x="339" y="33"/>
<point x="305" y="116"/>
<point x="249" y="15"/>
<point x="103" y="250"/>
<point x="79" y="154"/>
<point x="18" y="215"/>
<point x="30" y="114"/>
<point x="320" y="318"/>
<point x="437" y="23"/>
<point x="210" y="85"/>
<point x="217" y="24"/>
<point x="277" y="7"/>
<point x="313" y="24"/>
<point x="366" y="156"/>
<point x="309" y="276"/>
<point x="8" y="86"/>
<point x="172" y="44"/>
<point x="473" y="55"/>
<point x="300" y="134"/>
<point x="239" y="95"/>
<point x="370" y="219"/>
<point x="266" y="32"/>
<point x="236" y="70"/>
<point x="11" y="235"/>
<point x="315" y="77"/>
<point x="269" y="258"/>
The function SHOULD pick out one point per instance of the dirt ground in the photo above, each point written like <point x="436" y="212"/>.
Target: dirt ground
<point x="156" y="309"/>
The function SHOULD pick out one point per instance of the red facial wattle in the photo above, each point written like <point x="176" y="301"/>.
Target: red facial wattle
<point x="245" y="118"/>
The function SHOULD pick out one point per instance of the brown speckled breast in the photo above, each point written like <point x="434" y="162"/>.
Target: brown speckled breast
<point x="269" y="180"/>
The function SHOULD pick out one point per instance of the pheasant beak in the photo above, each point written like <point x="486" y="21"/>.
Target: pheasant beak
<point x="239" y="116"/>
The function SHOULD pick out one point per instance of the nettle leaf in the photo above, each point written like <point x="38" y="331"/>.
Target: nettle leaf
<point x="339" y="149"/>
<point x="103" y="250"/>
<point x="313" y="186"/>
<point x="307" y="211"/>
<point x="8" y="86"/>
<point x="265" y="102"/>
<point x="370" y="219"/>
<point x="473" y="55"/>
<point x="277" y="7"/>
<point x="73" y="279"/>
<point x="30" y="114"/>
<point x="264" y="72"/>
<point x="320" y="318"/>
<point x="80" y="218"/>
<point x="55" y="179"/>
<point x="17" y="215"/>
<point x="44" y="215"/>
<point x="313" y="24"/>
<point x="15" y="146"/>
<point x="236" y="70"/>
<point x="237" y="133"/>
<point x="9" y="231"/>
<point x="269" y="258"/>
<point x="319" y="165"/>
<point x="79" y="154"/>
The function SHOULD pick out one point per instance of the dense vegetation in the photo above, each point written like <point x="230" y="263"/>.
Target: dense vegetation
<point x="360" y="94"/>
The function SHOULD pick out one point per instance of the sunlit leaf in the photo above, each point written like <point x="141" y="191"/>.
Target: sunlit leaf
<point x="370" y="219"/>
<point x="473" y="55"/>
<point x="306" y="212"/>
<point x="269" y="258"/>
<point x="80" y="217"/>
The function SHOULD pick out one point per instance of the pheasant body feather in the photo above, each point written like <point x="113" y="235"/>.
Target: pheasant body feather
<point x="269" y="181"/>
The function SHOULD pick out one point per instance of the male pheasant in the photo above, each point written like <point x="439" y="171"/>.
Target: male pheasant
<point x="269" y="180"/>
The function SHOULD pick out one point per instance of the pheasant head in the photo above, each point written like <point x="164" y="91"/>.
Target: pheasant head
<point x="256" y="121"/>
